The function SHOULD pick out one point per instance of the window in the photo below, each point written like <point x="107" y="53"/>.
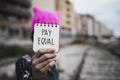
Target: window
<point x="67" y="2"/>
<point x="68" y="15"/>
<point x="13" y="31"/>
<point x="68" y="9"/>
<point x="68" y="22"/>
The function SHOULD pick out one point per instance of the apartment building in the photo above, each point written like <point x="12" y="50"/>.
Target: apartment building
<point x="97" y="29"/>
<point x="14" y="18"/>
<point x="67" y="13"/>
<point x="49" y="5"/>
<point x="106" y="32"/>
<point x="85" y="24"/>
<point x="88" y="25"/>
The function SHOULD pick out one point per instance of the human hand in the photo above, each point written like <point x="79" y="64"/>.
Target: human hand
<point x="42" y="61"/>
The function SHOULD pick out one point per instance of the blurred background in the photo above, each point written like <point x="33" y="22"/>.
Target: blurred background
<point x="89" y="40"/>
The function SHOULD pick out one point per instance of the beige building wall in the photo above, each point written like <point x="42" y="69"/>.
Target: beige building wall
<point x="45" y="4"/>
<point x="67" y="13"/>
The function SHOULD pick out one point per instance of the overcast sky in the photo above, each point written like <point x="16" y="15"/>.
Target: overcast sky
<point x="106" y="11"/>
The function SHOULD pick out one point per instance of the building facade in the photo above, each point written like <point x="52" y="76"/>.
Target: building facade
<point x="67" y="13"/>
<point x="88" y="25"/>
<point x="14" y="18"/>
<point x="49" y="5"/>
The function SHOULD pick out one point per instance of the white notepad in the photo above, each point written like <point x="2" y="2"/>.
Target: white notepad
<point x="46" y="36"/>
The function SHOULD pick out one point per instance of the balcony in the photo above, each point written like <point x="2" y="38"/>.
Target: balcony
<point x="8" y="9"/>
<point x="24" y="3"/>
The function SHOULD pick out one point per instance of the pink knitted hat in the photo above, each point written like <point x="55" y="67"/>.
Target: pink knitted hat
<point x="45" y="17"/>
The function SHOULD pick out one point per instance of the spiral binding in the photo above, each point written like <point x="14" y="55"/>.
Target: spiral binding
<point x="48" y="25"/>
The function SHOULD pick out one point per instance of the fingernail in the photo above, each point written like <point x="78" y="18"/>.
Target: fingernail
<point x="53" y="50"/>
<point x="55" y="60"/>
<point x="54" y="55"/>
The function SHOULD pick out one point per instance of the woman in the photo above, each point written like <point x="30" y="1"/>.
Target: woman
<point x="39" y="65"/>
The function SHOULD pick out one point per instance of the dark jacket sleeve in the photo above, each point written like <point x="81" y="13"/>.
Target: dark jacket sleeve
<point x="52" y="74"/>
<point x="23" y="69"/>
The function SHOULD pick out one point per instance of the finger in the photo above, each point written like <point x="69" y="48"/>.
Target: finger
<point x="47" y="67"/>
<point x="41" y="52"/>
<point x="47" y="50"/>
<point x="43" y="64"/>
<point x="43" y="58"/>
<point x="36" y="55"/>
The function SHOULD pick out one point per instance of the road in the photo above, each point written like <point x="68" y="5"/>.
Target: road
<point x="100" y="65"/>
<point x="82" y="62"/>
<point x="69" y="59"/>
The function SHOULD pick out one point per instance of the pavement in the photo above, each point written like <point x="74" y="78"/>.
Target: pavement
<point x="69" y="59"/>
<point x="98" y="64"/>
<point x="8" y="70"/>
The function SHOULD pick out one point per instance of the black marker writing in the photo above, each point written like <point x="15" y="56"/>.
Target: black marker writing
<point x="46" y="32"/>
<point x="45" y="41"/>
